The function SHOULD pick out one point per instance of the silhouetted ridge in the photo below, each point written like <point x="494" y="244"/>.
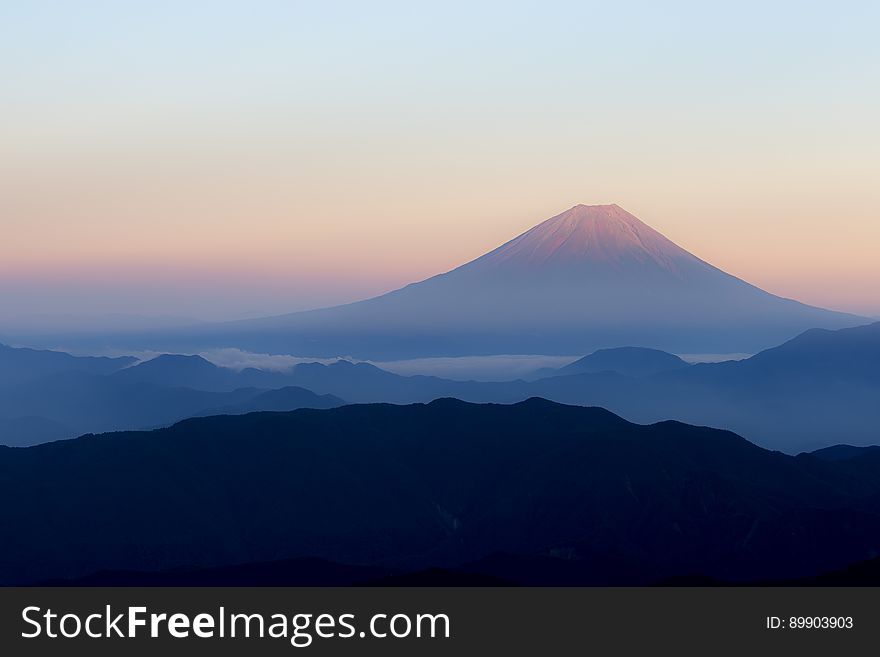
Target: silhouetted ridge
<point x="284" y="399"/>
<point x="20" y="365"/>
<point x="844" y="452"/>
<point x="572" y="495"/>
<point x="630" y="361"/>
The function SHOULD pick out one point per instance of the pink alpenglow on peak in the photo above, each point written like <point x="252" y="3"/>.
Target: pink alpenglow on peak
<point x="589" y="233"/>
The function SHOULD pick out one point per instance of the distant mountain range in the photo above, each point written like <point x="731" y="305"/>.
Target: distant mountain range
<point x="21" y="365"/>
<point x="46" y="395"/>
<point x="818" y="389"/>
<point x="199" y="374"/>
<point x="629" y="361"/>
<point x="281" y="400"/>
<point x="531" y="493"/>
<point x="813" y="391"/>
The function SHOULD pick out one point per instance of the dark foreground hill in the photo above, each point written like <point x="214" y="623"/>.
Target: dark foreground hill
<point x="534" y="492"/>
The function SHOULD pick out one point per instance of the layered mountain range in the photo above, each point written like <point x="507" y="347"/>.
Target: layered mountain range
<point x="815" y="390"/>
<point x="341" y="472"/>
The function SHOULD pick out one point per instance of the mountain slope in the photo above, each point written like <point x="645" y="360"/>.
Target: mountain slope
<point x="21" y="431"/>
<point x="85" y="403"/>
<point x="195" y="372"/>
<point x="816" y="390"/>
<point x="843" y="452"/>
<point x="288" y="398"/>
<point x="73" y="403"/>
<point x="179" y="370"/>
<point x="19" y="365"/>
<point x="592" y="277"/>
<point x="629" y="361"/>
<point x="443" y="484"/>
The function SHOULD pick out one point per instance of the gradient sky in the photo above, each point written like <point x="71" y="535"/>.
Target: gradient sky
<point x="230" y="159"/>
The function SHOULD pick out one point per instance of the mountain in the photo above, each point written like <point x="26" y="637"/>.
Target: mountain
<point x="812" y="391"/>
<point x="19" y="365"/>
<point x="843" y="452"/>
<point x="364" y="381"/>
<point x="70" y="404"/>
<point x="179" y="370"/>
<point x="288" y="398"/>
<point x="559" y="489"/>
<point x="815" y="390"/>
<point x="590" y="278"/>
<point x="21" y="431"/>
<point x="848" y="355"/>
<point x="809" y="392"/>
<point x="84" y="403"/>
<point x="629" y="361"/>
<point x="367" y="383"/>
<point x="199" y="374"/>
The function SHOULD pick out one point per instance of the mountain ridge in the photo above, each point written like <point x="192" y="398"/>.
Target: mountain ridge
<point x="629" y="361"/>
<point x="435" y="485"/>
<point x="813" y="390"/>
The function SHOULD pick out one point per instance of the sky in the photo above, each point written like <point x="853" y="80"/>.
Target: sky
<point x="236" y="159"/>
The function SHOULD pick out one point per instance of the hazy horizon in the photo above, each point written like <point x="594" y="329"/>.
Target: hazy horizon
<point x="223" y="161"/>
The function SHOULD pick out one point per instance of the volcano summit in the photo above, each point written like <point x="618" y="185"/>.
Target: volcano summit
<point x="592" y="277"/>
